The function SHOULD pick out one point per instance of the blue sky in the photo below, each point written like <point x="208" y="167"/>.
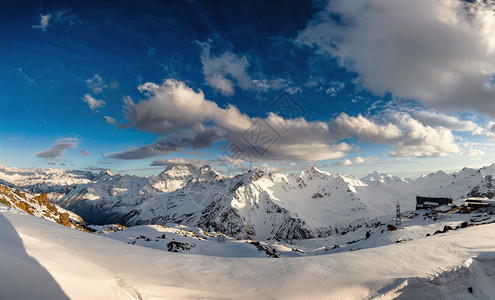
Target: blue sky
<point x="404" y="87"/>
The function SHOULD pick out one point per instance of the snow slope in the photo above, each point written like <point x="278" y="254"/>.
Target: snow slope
<point x="86" y="266"/>
<point x="179" y="238"/>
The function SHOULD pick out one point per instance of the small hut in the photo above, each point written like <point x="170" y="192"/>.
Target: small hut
<point x="476" y="202"/>
<point x="431" y="202"/>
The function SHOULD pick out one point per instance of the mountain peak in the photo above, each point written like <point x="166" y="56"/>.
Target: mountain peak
<point x="314" y="170"/>
<point x="381" y="177"/>
<point x="108" y="172"/>
<point x="182" y="168"/>
<point x="103" y="173"/>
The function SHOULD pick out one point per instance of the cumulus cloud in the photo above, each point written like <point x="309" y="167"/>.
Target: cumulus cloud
<point x="174" y="106"/>
<point x="435" y="119"/>
<point x="185" y="119"/>
<point x="424" y="141"/>
<point x="58" y="149"/>
<point x="110" y="120"/>
<point x="96" y="84"/>
<point x="438" y="52"/>
<point x="408" y="136"/>
<point x="346" y="126"/>
<point x="93" y="103"/>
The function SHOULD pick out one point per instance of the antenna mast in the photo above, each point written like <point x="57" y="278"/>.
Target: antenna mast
<point x="221" y="237"/>
<point x="398" y="220"/>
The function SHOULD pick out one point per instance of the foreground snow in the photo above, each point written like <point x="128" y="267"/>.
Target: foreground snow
<point x="43" y="260"/>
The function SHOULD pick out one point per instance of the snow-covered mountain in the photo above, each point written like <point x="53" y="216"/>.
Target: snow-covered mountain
<point x="53" y="182"/>
<point x="376" y="177"/>
<point x="255" y="204"/>
<point x="38" y="205"/>
<point x="313" y="203"/>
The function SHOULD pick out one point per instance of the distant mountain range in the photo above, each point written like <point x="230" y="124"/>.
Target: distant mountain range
<point x="255" y="204"/>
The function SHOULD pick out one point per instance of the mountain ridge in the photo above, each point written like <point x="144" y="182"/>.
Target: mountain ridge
<point x="312" y="203"/>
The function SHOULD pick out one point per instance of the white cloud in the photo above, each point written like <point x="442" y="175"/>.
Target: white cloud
<point x="306" y="152"/>
<point x="96" y="84"/>
<point x="346" y="126"/>
<point x="227" y="71"/>
<point x="60" y="16"/>
<point x="219" y="82"/>
<point x="185" y="119"/>
<point x="438" y="52"/>
<point x="359" y="160"/>
<point x="110" y="120"/>
<point x="335" y="88"/>
<point x="366" y="160"/>
<point x="44" y="22"/>
<point x="408" y="136"/>
<point x="221" y="71"/>
<point x="345" y="162"/>
<point x="93" y="103"/>
<point x="423" y="141"/>
<point x="435" y="119"/>
<point x="474" y="152"/>
<point x="58" y="149"/>
<point x="173" y="106"/>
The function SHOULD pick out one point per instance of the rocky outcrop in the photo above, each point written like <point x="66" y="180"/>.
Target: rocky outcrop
<point x="38" y="205"/>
